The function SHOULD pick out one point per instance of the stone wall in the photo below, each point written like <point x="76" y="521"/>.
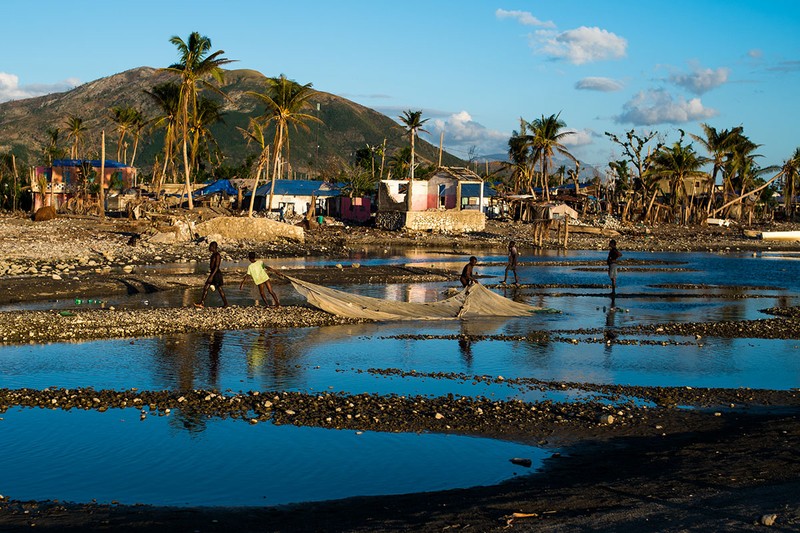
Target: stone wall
<point x="452" y="221"/>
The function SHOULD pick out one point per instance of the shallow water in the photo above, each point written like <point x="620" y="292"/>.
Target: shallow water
<point x="370" y="358"/>
<point x="172" y="460"/>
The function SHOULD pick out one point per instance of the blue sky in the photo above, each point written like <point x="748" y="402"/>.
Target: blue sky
<point x="473" y="67"/>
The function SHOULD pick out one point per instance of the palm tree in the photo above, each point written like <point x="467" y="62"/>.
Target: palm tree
<point x="196" y="63"/>
<point x="547" y="137"/>
<point x="167" y="97"/>
<point x="791" y="180"/>
<point x="720" y="146"/>
<point x="255" y="134"/>
<point x="124" y="117"/>
<point x="51" y="150"/>
<point x="676" y="163"/>
<point x="76" y="130"/>
<point x="399" y="162"/>
<point x="286" y="101"/>
<point x="519" y="157"/>
<point x="209" y="112"/>
<point x="140" y="122"/>
<point x="413" y="122"/>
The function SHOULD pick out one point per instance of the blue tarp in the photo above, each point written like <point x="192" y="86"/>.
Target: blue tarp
<point x="94" y="162"/>
<point x="223" y="186"/>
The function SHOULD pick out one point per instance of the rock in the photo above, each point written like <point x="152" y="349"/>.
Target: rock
<point x="606" y="419"/>
<point x="522" y="462"/>
<point x="45" y="213"/>
<point x="56" y="277"/>
<point x="768" y="519"/>
<point x="250" y="229"/>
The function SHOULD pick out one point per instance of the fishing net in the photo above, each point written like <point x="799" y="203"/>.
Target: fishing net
<point x="473" y="301"/>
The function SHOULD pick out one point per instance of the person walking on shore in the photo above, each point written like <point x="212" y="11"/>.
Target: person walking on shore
<point x="467" y="275"/>
<point x="613" y="257"/>
<point x="513" y="255"/>
<point x="214" y="280"/>
<point x="258" y="271"/>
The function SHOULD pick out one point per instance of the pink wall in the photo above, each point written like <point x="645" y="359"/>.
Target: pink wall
<point x="357" y="209"/>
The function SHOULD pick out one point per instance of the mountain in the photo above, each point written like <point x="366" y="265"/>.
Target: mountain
<point x="346" y="126"/>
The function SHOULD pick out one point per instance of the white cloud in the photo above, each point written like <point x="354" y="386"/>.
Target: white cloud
<point x="461" y="133"/>
<point x="701" y="80"/>
<point x="599" y="84"/>
<point x="658" y="106"/>
<point x="578" y="137"/>
<point x="581" y="45"/>
<point x="10" y="89"/>
<point x="755" y="53"/>
<point x="523" y="17"/>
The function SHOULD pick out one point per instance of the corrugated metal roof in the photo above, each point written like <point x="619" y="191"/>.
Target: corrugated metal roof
<point x="94" y="162"/>
<point x="299" y="188"/>
<point x="471" y="190"/>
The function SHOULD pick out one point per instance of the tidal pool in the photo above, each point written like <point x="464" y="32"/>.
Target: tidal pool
<point x="181" y="461"/>
<point x="80" y="456"/>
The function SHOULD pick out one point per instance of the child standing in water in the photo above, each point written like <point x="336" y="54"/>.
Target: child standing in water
<point x="513" y="255"/>
<point x="214" y="280"/>
<point x="258" y="271"/>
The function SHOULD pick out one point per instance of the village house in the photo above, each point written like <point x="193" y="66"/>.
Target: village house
<point x="67" y="178"/>
<point x="296" y="196"/>
<point x="434" y="204"/>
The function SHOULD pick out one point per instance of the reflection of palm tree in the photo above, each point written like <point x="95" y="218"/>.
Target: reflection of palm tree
<point x="214" y="350"/>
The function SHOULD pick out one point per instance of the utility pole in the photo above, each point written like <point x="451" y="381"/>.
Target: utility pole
<point x="441" y="144"/>
<point x="102" y="195"/>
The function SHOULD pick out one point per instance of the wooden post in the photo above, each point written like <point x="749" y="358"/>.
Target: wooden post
<point x="102" y="195"/>
<point x="566" y="230"/>
<point x="16" y="178"/>
<point x="441" y="147"/>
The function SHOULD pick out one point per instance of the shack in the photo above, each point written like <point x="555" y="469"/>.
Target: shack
<point x="68" y="178"/>
<point x="435" y="204"/>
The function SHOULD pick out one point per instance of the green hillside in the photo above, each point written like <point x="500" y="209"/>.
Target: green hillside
<point x="346" y="126"/>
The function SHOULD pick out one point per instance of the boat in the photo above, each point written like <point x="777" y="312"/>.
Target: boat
<point x="780" y="235"/>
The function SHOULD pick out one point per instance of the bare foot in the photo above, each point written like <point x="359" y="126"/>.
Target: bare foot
<point x="199" y="306"/>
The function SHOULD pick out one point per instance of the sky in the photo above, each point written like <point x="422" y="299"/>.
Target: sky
<point x="474" y="68"/>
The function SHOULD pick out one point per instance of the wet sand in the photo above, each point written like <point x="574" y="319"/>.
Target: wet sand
<point x="725" y="465"/>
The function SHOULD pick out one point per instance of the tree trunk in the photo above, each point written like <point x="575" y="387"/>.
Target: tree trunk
<point x="255" y="182"/>
<point x="188" y="183"/>
<point x="742" y="197"/>
<point x="276" y="167"/>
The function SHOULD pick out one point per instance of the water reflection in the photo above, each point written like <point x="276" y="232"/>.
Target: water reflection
<point x="114" y="456"/>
